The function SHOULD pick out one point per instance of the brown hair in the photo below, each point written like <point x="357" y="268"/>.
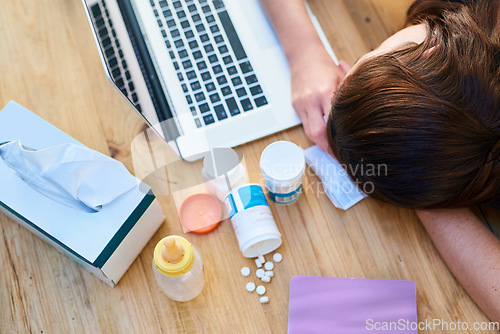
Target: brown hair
<point x="432" y="120"/>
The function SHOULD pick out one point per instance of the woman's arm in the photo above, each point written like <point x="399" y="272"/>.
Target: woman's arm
<point x="314" y="74"/>
<point x="293" y="26"/>
<point x="472" y="253"/>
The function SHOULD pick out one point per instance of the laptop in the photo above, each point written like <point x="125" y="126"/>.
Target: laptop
<point x="202" y="73"/>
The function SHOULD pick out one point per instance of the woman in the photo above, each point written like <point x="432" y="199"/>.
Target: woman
<point x="426" y="103"/>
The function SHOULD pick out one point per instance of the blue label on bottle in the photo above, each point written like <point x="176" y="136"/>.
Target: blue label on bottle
<point x="252" y="195"/>
<point x="231" y="205"/>
<point x="286" y="198"/>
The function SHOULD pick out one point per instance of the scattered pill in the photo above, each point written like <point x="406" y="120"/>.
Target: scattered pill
<point x="250" y="286"/>
<point x="269" y="265"/>
<point x="258" y="263"/>
<point x="260" y="273"/>
<point x="264" y="299"/>
<point x="269" y="273"/>
<point x="277" y="257"/>
<point x="245" y="271"/>
<point x="261" y="258"/>
<point x="266" y="279"/>
<point x="261" y="289"/>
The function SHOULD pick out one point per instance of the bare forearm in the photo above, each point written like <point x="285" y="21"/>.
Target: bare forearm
<point x="315" y="76"/>
<point x="471" y="252"/>
<point x="292" y="25"/>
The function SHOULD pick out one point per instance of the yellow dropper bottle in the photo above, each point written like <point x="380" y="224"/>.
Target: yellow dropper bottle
<point x="178" y="268"/>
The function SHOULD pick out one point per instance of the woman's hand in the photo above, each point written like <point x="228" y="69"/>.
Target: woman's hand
<point x="315" y="77"/>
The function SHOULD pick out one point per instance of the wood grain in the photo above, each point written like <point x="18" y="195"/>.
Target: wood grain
<point x="50" y="65"/>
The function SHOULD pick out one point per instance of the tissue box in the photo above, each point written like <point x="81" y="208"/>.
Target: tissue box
<point x="105" y="242"/>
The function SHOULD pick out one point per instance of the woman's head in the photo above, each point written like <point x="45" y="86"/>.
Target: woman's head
<point x="427" y="110"/>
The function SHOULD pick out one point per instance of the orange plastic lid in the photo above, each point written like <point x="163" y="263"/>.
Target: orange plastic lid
<point x="200" y="213"/>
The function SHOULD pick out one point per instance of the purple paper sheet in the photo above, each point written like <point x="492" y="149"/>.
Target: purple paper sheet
<point x="351" y="305"/>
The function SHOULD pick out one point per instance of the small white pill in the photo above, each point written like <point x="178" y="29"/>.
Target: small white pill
<point x="260" y="273"/>
<point x="261" y="289"/>
<point x="250" y="286"/>
<point x="277" y="257"/>
<point x="269" y="273"/>
<point x="264" y="299"/>
<point x="266" y="279"/>
<point x="261" y="258"/>
<point x="258" y="263"/>
<point x="245" y="271"/>
<point x="269" y="265"/>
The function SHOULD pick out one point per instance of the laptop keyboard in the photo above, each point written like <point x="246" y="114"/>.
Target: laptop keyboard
<point x="212" y="66"/>
<point x="113" y="54"/>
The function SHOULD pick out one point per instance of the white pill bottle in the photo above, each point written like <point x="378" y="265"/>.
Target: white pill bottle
<point x="178" y="268"/>
<point x="252" y="220"/>
<point x="283" y="164"/>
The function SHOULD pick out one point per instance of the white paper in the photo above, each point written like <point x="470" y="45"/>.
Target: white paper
<point x="71" y="174"/>
<point x="338" y="186"/>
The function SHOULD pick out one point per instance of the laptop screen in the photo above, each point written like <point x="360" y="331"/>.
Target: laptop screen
<point x="127" y="61"/>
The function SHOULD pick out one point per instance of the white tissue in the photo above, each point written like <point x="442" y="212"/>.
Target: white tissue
<point x="71" y="174"/>
<point x="337" y="184"/>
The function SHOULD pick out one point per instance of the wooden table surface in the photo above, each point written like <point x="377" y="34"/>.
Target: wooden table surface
<point x="50" y="65"/>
